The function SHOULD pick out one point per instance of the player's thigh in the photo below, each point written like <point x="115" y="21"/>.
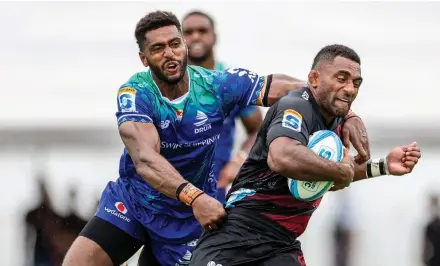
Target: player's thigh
<point x="86" y="252"/>
<point x="114" y="228"/>
<point x="294" y="258"/>
<point x="101" y="243"/>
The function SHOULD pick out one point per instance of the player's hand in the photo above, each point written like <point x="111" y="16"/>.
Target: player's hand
<point x="348" y="172"/>
<point x="208" y="211"/>
<point x="402" y="160"/>
<point x="228" y="174"/>
<point x="354" y="131"/>
<point x="337" y="186"/>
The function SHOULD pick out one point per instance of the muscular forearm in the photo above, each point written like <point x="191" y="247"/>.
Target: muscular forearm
<point x="159" y="173"/>
<point x="281" y="85"/>
<point x="143" y="144"/>
<point x="301" y="163"/>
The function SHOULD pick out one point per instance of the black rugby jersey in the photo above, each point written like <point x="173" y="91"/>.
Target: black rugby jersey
<point x="257" y="187"/>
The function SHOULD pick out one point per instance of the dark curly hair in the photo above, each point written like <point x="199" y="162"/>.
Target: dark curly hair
<point x="330" y="52"/>
<point x="153" y="21"/>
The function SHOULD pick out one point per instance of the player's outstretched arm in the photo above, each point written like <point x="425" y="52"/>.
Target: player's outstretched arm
<point x="279" y="86"/>
<point x="292" y="159"/>
<point x="400" y="161"/>
<point x="143" y="144"/>
<point x="252" y="122"/>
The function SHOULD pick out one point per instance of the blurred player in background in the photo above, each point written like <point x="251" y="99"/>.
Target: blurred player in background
<point x="431" y="242"/>
<point x="50" y="234"/>
<point x="264" y="219"/>
<point x="200" y="37"/>
<point x="170" y="117"/>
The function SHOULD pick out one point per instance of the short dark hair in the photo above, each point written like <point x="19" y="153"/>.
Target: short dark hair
<point x="199" y="13"/>
<point x="330" y="52"/>
<point x="153" y="21"/>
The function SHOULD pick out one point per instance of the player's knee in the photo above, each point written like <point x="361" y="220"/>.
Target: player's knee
<point x="86" y="252"/>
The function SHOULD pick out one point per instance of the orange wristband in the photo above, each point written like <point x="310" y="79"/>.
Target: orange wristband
<point x="189" y="193"/>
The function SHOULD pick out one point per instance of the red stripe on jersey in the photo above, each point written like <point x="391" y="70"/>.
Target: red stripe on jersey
<point x="296" y="224"/>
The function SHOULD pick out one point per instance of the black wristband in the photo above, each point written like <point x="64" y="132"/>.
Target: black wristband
<point x="382" y="166"/>
<point x="376" y="167"/>
<point x="369" y="174"/>
<point x="179" y="189"/>
<point x="266" y="93"/>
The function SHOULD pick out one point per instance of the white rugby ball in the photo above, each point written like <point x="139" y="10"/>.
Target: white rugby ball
<point x="328" y="145"/>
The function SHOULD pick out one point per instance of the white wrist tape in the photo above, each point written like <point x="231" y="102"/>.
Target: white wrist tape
<point x="377" y="167"/>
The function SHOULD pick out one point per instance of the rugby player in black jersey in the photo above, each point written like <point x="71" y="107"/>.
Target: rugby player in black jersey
<point x="263" y="218"/>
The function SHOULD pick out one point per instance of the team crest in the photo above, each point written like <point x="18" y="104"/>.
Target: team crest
<point x="127" y="100"/>
<point x="292" y="120"/>
<point x="179" y="114"/>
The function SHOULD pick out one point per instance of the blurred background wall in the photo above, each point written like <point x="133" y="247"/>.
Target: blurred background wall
<point x="62" y="62"/>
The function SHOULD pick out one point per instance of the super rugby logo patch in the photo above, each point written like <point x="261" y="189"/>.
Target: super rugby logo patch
<point x="292" y="120"/>
<point x="127" y="100"/>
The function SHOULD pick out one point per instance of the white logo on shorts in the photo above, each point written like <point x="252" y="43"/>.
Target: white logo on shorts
<point x="117" y="214"/>
<point x="192" y="243"/>
<point x="185" y="259"/>
<point x="212" y="263"/>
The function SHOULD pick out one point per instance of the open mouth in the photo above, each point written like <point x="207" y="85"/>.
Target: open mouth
<point x="343" y="100"/>
<point x="172" y="66"/>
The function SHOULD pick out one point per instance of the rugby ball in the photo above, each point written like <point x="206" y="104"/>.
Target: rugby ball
<point x="328" y="145"/>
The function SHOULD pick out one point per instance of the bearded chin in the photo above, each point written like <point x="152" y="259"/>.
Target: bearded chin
<point x="161" y="76"/>
<point x="340" y="112"/>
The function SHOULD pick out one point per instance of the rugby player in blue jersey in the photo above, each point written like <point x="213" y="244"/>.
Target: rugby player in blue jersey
<point x="170" y="117"/>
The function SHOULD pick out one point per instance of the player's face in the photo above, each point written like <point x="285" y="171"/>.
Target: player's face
<point x="338" y="85"/>
<point x="199" y="36"/>
<point x="166" y="54"/>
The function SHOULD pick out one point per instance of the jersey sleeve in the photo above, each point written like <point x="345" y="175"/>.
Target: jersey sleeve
<point x="292" y="119"/>
<point x="133" y="105"/>
<point x="240" y="87"/>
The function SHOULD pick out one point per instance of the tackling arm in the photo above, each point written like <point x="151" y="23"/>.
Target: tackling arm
<point x="252" y="124"/>
<point x="143" y="144"/>
<point x="278" y="86"/>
